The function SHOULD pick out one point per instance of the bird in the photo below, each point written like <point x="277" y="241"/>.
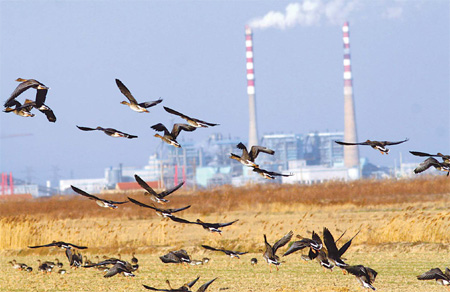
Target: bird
<point x="120" y="267"/>
<point x="365" y="275"/>
<point x="314" y="243"/>
<point x="248" y="159"/>
<point x="432" y="162"/>
<point x="171" y="137"/>
<point x="74" y="257"/>
<point x="445" y="158"/>
<point x="442" y="278"/>
<point x="335" y="254"/>
<point x="133" y="104"/>
<point x="205" y="286"/>
<point x="157" y="197"/>
<point x="101" y="202"/>
<point x="320" y="256"/>
<point x="60" y="244"/>
<point x="211" y="227"/>
<point x="191" y="121"/>
<point x="40" y="106"/>
<point x="24" y="85"/>
<point x="134" y="259"/>
<point x="254" y="261"/>
<point x="184" y="288"/>
<point x="377" y="145"/>
<point x="176" y="257"/>
<point x="269" y="174"/>
<point x="19" y="109"/>
<point x="45" y="267"/>
<point x="270" y="252"/>
<point x="161" y="212"/>
<point x="109" y="131"/>
<point x="231" y="253"/>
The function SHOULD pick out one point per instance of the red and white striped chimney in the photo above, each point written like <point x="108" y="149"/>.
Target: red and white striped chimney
<point x="253" y="130"/>
<point x="351" y="153"/>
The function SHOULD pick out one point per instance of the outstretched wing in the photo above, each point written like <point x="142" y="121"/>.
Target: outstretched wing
<point x="76" y="246"/>
<point x="160" y="128"/>
<point x="329" y="242"/>
<point x="349" y="143"/>
<point x="245" y="154"/>
<point x="192" y="283"/>
<point x="205" y="286"/>
<point x="177" y="210"/>
<point x="49" y="114"/>
<point x="181" y="220"/>
<point x="394" y="143"/>
<point x="211" y="248"/>
<point x="148" y="104"/>
<point x="169" y="191"/>
<point x="41" y="95"/>
<point x="154" y="289"/>
<point x="44" y="245"/>
<point x="344" y="248"/>
<point x="19" y="90"/>
<point x="417" y="153"/>
<point x="257" y="149"/>
<point x="174" y="112"/>
<point x="144" y="185"/>
<point x="283" y="241"/>
<point x="86" y="128"/>
<point x="227" y="224"/>
<point x="142" y="204"/>
<point x="297" y="245"/>
<point x="83" y="193"/>
<point x="427" y="163"/>
<point x="177" y="128"/>
<point x="125" y="91"/>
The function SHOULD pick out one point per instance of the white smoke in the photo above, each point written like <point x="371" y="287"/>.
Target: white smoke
<point x="307" y="13"/>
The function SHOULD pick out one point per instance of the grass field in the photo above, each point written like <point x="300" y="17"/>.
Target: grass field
<point x="404" y="232"/>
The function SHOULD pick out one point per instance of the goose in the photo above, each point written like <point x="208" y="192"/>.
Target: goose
<point x="19" y="109"/>
<point x="133" y="104"/>
<point x="24" y="85"/>
<point x="46" y="110"/>
<point x="191" y="121"/>
<point x="377" y="145"/>
<point x="161" y="212"/>
<point x="134" y="260"/>
<point x="171" y="137"/>
<point x="230" y="253"/>
<point x="248" y="158"/>
<point x="60" y="244"/>
<point x="109" y="131"/>
<point x="157" y="197"/>
<point x="432" y="162"/>
<point x="335" y="254"/>
<point x="176" y="257"/>
<point x="320" y="256"/>
<point x="365" y="275"/>
<point x="120" y="267"/>
<point x="211" y="227"/>
<point x="442" y="278"/>
<point x="270" y="252"/>
<point x="314" y="243"/>
<point x="185" y="287"/>
<point x="101" y="202"/>
<point x="253" y="261"/>
<point x="269" y="174"/>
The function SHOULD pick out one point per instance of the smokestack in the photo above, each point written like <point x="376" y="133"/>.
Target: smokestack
<point x="351" y="153"/>
<point x="253" y="130"/>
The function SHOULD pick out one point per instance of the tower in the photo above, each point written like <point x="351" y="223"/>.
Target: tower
<point x="253" y="130"/>
<point x="351" y="153"/>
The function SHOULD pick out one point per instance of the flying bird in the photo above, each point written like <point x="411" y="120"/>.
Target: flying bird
<point x="161" y="212"/>
<point x="248" y="158"/>
<point x="19" y="109"/>
<point x="101" y="202"/>
<point x="60" y="244"/>
<point x="230" y="253"/>
<point x="432" y="162"/>
<point x="211" y="227"/>
<point x="23" y="86"/>
<point x="270" y="252"/>
<point x="365" y="275"/>
<point x="377" y="145"/>
<point x="133" y="104"/>
<point x="191" y="121"/>
<point x="445" y="158"/>
<point x="109" y="131"/>
<point x="171" y="137"/>
<point x="46" y="110"/>
<point x="157" y="197"/>
<point x="335" y="254"/>
<point x="320" y="256"/>
<point x="314" y="243"/>
<point x="269" y="174"/>
<point x="185" y="287"/>
<point x="442" y="278"/>
<point x="176" y="257"/>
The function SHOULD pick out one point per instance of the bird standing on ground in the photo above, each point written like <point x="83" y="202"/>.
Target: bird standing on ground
<point x="377" y="145"/>
<point x="171" y="137"/>
<point x="270" y="252"/>
<point x="133" y="104"/>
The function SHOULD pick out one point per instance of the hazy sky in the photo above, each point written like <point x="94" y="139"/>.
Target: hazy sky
<point x="192" y="54"/>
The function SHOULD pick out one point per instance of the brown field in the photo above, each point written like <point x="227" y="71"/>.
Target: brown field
<point x="404" y="231"/>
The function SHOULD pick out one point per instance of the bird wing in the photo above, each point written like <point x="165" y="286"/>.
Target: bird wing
<point x="160" y="128"/>
<point x="148" y="104"/>
<point x="245" y="154"/>
<point x="41" y="95"/>
<point x="142" y="204"/>
<point x="177" y="128"/>
<point x="83" y="193"/>
<point x="427" y="163"/>
<point x="255" y="150"/>
<point x="113" y="202"/>
<point x="19" y="90"/>
<point x="76" y="246"/>
<point x="394" y="143"/>
<point x="316" y="238"/>
<point x="295" y="246"/>
<point x="117" y="268"/>
<point x="358" y="270"/>
<point x="169" y="191"/>
<point x="329" y="242"/>
<point x="144" y="185"/>
<point x="283" y="241"/>
<point x="269" y="250"/>
<point x="192" y="283"/>
<point x="417" y="153"/>
<point x="226" y="224"/>
<point x="44" y="245"/>
<point x="154" y="289"/>
<point x="125" y="91"/>
<point x="86" y="128"/>
<point x="177" y="210"/>
<point x="349" y="143"/>
<point x="210" y="248"/>
<point x="435" y="273"/>
<point x="174" y="112"/>
<point x="181" y="220"/>
<point x="49" y="114"/>
<point x="205" y="286"/>
<point x="344" y="248"/>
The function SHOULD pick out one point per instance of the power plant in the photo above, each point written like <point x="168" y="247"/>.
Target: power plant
<point x="351" y="153"/>
<point x="253" y="130"/>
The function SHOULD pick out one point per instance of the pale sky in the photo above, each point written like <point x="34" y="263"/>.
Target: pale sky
<point x="192" y="54"/>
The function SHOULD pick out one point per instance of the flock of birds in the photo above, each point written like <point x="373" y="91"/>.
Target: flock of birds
<point x="325" y="252"/>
